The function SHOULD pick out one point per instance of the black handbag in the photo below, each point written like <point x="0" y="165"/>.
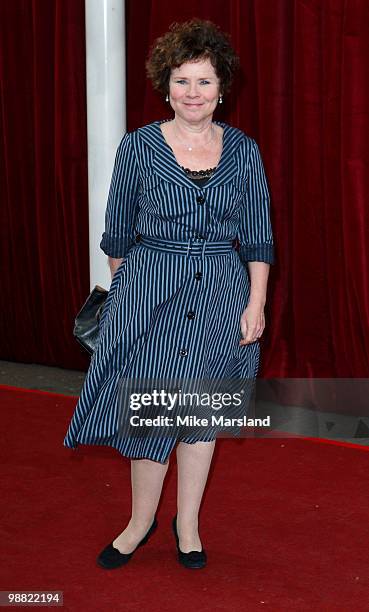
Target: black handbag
<point x="87" y="321"/>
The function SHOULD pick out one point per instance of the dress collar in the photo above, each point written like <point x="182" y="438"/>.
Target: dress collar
<point x="166" y="166"/>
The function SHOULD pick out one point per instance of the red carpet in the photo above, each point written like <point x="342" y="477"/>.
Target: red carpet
<point x="284" y="522"/>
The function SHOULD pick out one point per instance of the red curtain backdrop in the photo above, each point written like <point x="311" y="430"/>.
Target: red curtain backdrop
<point x="303" y="95"/>
<point x="44" y="248"/>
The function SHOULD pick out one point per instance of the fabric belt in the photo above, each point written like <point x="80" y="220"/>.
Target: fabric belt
<point x="193" y="247"/>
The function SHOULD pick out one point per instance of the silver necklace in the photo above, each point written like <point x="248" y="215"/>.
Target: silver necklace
<point x="190" y="148"/>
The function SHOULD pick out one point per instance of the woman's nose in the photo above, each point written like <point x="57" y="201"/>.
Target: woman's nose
<point x="192" y="90"/>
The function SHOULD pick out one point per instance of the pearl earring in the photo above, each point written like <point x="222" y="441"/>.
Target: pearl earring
<point x="167" y="98"/>
<point x="220" y="100"/>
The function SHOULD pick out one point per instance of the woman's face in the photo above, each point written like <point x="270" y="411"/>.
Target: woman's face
<point x="194" y="90"/>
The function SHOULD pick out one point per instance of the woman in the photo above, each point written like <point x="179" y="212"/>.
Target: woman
<point x="183" y="303"/>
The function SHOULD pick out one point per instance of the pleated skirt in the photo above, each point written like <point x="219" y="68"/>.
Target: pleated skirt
<point x="172" y="319"/>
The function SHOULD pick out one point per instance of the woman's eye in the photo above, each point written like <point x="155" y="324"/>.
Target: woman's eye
<point x="203" y="81"/>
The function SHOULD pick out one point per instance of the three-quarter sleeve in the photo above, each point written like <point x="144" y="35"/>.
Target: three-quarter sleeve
<point x="255" y="230"/>
<point x="121" y="207"/>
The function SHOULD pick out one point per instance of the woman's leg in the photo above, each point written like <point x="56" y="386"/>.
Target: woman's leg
<point x="193" y="461"/>
<point x="147" y="479"/>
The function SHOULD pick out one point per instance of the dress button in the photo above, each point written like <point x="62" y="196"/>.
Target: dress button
<point x="198" y="275"/>
<point x="190" y="315"/>
<point x="138" y="238"/>
<point x="200" y="236"/>
<point x="200" y="199"/>
<point x="183" y="352"/>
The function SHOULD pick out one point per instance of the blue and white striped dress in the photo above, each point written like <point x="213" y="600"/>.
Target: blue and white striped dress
<point x="174" y="305"/>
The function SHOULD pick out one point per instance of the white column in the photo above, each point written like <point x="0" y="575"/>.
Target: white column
<point x="106" y="116"/>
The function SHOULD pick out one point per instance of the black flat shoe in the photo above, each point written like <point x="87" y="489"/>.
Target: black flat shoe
<point x="195" y="559"/>
<point x="111" y="557"/>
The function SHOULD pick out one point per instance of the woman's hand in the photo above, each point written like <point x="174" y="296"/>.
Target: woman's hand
<point x="252" y="323"/>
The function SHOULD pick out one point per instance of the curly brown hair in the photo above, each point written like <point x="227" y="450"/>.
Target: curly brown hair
<point x="190" y="41"/>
